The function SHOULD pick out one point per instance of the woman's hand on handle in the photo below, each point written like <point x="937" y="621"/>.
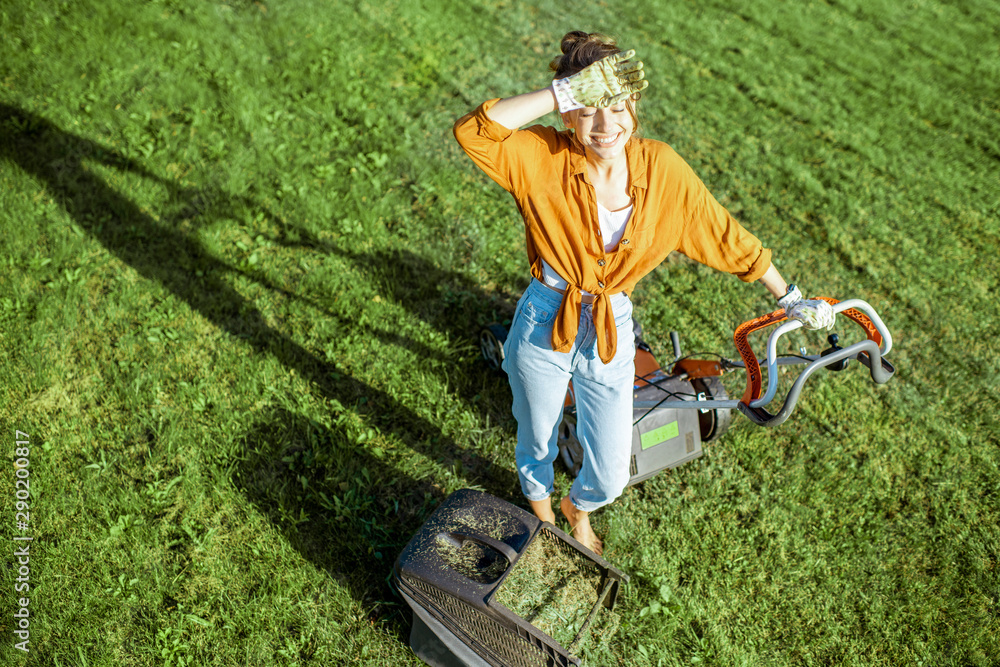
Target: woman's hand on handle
<point x="813" y="313"/>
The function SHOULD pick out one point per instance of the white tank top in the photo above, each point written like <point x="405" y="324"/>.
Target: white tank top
<point x="612" y="225"/>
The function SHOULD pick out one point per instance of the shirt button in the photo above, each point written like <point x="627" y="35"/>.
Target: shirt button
<point x="601" y="262"/>
<point x="601" y="285"/>
<point x="624" y="241"/>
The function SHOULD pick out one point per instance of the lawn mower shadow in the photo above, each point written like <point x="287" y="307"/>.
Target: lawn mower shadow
<point x="345" y="509"/>
<point x="171" y="257"/>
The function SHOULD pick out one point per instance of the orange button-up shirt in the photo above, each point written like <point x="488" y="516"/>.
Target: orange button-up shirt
<point x="546" y="171"/>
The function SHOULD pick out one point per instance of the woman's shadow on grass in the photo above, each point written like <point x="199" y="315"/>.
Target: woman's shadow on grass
<point x="341" y="505"/>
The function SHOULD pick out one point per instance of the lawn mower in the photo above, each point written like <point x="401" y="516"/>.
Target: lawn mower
<point x="491" y="585"/>
<point x="680" y="405"/>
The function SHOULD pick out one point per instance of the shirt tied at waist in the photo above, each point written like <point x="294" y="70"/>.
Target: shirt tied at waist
<point x="567" y="323"/>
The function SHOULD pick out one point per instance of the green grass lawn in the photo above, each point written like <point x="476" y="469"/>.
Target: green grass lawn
<point x="244" y="266"/>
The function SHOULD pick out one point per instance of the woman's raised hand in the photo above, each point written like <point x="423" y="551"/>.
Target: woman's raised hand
<point x="601" y="84"/>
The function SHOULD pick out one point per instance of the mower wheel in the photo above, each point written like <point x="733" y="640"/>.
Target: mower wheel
<point x="640" y="343"/>
<point x="713" y="422"/>
<point x="491" y="341"/>
<point x="570" y="449"/>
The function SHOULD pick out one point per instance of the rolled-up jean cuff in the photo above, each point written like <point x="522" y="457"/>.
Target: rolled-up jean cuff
<point x="539" y="499"/>
<point x="588" y="507"/>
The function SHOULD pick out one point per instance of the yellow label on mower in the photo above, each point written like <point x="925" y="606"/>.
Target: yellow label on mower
<point x="659" y="435"/>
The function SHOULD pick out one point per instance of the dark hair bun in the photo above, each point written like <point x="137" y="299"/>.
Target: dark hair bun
<point x="580" y="49"/>
<point x="571" y="39"/>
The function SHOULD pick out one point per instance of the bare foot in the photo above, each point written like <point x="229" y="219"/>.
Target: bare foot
<point x="579" y="522"/>
<point x="543" y="510"/>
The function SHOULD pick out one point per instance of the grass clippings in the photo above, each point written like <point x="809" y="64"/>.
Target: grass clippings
<point x="552" y="586"/>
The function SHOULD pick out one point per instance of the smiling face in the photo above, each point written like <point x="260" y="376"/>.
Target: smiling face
<point x="603" y="132"/>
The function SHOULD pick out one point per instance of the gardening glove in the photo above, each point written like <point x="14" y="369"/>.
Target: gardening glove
<point x="813" y="313"/>
<point x="608" y="81"/>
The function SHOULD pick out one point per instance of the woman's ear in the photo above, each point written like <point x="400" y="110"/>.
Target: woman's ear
<point x="569" y="119"/>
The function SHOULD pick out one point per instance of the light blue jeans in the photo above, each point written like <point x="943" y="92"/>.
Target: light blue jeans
<point x="539" y="377"/>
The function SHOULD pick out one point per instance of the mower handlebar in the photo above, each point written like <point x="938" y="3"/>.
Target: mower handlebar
<point x="870" y="352"/>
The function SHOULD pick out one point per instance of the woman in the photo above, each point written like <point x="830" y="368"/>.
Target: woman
<point x="601" y="209"/>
